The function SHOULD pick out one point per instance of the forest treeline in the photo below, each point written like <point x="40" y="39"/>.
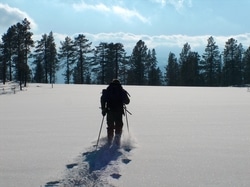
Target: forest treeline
<point x="24" y="60"/>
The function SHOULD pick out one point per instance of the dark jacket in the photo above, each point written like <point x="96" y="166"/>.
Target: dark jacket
<point x="114" y="97"/>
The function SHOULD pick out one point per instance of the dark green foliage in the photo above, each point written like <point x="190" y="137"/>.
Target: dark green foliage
<point x="3" y="65"/>
<point x="211" y="64"/>
<point x="143" y="66"/>
<point x="7" y="52"/>
<point x="15" y="51"/>
<point x="138" y="62"/>
<point x="39" y="73"/>
<point x="172" y="71"/>
<point x="109" y="63"/>
<point x="83" y="61"/>
<point x="45" y="59"/>
<point x="183" y="63"/>
<point x="124" y="68"/>
<point x="67" y="58"/>
<point x="153" y="73"/>
<point x="53" y="63"/>
<point x="99" y="63"/>
<point x="246" y="62"/>
<point x="23" y="43"/>
<point x="233" y="67"/>
<point x="84" y="65"/>
<point x="193" y="69"/>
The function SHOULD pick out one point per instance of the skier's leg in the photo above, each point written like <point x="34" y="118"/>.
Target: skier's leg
<point x="111" y="126"/>
<point x="118" y="127"/>
<point x="118" y="123"/>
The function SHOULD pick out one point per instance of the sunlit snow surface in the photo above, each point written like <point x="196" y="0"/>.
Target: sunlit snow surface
<point x="178" y="136"/>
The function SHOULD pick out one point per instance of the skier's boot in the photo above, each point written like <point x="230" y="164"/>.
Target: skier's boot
<point x="118" y="134"/>
<point x="117" y="140"/>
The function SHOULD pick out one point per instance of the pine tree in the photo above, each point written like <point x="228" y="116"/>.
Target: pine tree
<point x="154" y="72"/>
<point x="109" y="59"/>
<point x="45" y="56"/>
<point x="239" y="57"/>
<point x="83" y="62"/>
<point x="22" y="44"/>
<point x="119" y="54"/>
<point x="246" y="60"/>
<point x="3" y="66"/>
<point x="67" y="57"/>
<point x="8" y="48"/>
<point x="124" y="68"/>
<point x="147" y="67"/>
<point x="138" y="60"/>
<point x="184" y="66"/>
<point x="39" y="72"/>
<point x="99" y="62"/>
<point x="172" y="70"/>
<point x="189" y="67"/>
<point x="232" y="67"/>
<point x="211" y="64"/>
<point x="193" y="69"/>
<point x="115" y="54"/>
<point x="41" y="60"/>
<point x="53" y="63"/>
<point x="112" y="64"/>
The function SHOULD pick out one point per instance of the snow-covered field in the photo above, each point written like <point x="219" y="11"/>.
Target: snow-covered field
<point x="178" y="136"/>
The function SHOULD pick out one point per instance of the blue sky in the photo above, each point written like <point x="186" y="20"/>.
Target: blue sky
<point x="163" y="24"/>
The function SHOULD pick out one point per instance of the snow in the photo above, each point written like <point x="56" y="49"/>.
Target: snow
<point x="178" y="136"/>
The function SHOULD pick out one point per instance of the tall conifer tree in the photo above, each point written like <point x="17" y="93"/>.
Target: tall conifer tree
<point x="138" y="60"/>
<point x="172" y="71"/>
<point x="211" y="64"/>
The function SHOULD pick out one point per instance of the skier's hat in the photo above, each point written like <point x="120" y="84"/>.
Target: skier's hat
<point x="116" y="81"/>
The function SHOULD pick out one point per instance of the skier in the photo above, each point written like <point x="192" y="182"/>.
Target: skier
<point x="113" y="100"/>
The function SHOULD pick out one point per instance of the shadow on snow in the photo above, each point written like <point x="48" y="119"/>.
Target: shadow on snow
<point x="96" y="167"/>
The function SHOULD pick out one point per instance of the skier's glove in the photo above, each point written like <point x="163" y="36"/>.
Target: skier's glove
<point x="104" y="112"/>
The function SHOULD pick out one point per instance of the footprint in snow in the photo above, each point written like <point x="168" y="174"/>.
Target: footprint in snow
<point x="70" y="166"/>
<point x="115" y="175"/>
<point x="52" y="183"/>
<point x="126" y="160"/>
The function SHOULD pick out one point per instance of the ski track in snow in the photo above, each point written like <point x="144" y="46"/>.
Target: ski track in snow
<point x="97" y="167"/>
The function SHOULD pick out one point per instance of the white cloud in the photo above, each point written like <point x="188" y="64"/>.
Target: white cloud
<point x="10" y="15"/>
<point x="124" y="13"/>
<point x="161" y="2"/>
<point x="177" y="4"/>
<point x="98" y="7"/>
<point x="163" y="44"/>
<point x="127" y="14"/>
<point x="197" y="43"/>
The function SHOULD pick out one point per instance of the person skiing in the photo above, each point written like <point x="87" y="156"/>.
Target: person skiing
<point x="113" y="100"/>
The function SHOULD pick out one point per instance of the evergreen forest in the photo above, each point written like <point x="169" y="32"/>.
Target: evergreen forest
<point x="24" y="60"/>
